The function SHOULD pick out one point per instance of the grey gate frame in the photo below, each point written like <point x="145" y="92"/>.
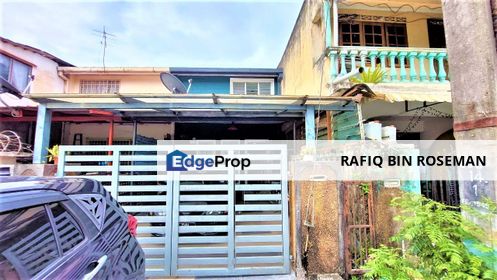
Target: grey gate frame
<point x="194" y="224"/>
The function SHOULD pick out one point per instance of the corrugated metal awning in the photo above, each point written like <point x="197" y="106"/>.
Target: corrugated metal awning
<point x="9" y="101"/>
<point x="198" y="105"/>
<point x="420" y="96"/>
<point x="420" y="91"/>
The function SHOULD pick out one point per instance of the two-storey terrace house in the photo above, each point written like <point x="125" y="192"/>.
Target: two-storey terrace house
<point x="25" y="69"/>
<point x="173" y="124"/>
<point x="404" y="41"/>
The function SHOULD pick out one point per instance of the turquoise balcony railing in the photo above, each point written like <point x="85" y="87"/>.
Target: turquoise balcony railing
<point x="398" y="64"/>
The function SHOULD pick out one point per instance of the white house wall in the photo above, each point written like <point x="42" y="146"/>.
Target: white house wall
<point x="45" y="70"/>
<point x="430" y="127"/>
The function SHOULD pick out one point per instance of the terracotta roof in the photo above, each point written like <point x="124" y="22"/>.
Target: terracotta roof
<point x="35" y="50"/>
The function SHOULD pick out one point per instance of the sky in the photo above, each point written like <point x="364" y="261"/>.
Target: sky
<point x="234" y="33"/>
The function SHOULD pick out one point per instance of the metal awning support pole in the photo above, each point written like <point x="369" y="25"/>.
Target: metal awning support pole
<point x="111" y="135"/>
<point x="135" y="131"/>
<point x="310" y="125"/>
<point x="42" y="133"/>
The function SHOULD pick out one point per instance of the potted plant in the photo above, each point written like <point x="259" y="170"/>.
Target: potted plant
<point x="370" y="76"/>
<point x="53" y="154"/>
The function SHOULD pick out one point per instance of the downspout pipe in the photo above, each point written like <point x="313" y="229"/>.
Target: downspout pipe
<point x="334" y="17"/>
<point x="64" y="78"/>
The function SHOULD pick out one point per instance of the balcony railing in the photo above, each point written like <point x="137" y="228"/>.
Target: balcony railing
<point x="398" y="64"/>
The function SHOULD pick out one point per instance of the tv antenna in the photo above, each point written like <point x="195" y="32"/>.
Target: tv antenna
<point x="105" y="35"/>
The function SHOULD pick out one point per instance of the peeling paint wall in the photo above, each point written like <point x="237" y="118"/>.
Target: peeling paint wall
<point x="324" y="254"/>
<point x="384" y="224"/>
<point x="306" y="70"/>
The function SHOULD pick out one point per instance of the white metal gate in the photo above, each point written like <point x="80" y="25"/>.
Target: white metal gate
<point x="224" y="222"/>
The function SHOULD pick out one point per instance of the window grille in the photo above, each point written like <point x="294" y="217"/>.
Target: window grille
<point x="100" y="86"/>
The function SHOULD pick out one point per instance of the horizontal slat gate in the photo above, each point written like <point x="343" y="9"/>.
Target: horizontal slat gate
<point x="219" y="223"/>
<point x="129" y="172"/>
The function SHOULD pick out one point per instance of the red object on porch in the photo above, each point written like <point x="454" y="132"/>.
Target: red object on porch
<point x="100" y="112"/>
<point x="132" y="224"/>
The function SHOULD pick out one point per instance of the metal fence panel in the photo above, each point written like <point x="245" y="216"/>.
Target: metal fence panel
<point x="196" y="224"/>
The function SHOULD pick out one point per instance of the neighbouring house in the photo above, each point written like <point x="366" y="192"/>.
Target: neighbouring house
<point x="405" y="40"/>
<point x="29" y="70"/>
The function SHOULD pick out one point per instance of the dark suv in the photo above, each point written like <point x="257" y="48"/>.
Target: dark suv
<point x="65" y="229"/>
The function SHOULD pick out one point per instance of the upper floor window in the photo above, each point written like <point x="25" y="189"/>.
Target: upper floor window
<point x="15" y="72"/>
<point x="99" y="86"/>
<point x="373" y="34"/>
<point x="252" y="86"/>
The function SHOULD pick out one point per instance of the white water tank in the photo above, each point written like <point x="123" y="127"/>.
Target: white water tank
<point x="372" y="130"/>
<point x="389" y="132"/>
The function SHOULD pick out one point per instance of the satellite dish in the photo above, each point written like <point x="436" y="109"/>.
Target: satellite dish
<point x="172" y="83"/>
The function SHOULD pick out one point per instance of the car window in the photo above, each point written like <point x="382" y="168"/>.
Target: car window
<point x="93" y="205"/>
<point x="68" y="231"/>
<point x="27" y="243"/>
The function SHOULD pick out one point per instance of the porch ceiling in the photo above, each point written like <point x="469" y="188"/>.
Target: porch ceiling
<point x="395" y="5"/>
<point x="194" y="105"/>
<point x="424" y="92"/>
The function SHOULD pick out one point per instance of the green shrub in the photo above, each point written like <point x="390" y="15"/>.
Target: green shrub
<point x="434" y="235"/>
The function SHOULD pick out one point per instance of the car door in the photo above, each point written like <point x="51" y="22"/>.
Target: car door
<point x="27" y="244"/>
<point x="83" y="250"/>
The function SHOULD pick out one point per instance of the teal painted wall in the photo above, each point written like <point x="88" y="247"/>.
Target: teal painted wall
<point x="218" y="85"/>
<point x="346" y="126"/>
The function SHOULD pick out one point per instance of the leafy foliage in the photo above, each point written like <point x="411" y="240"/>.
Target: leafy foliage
<point x="434" y="236"/>
<point x="369" y="76"/>
<point x="53" y="152"/>
<point x="364" y="188"/>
